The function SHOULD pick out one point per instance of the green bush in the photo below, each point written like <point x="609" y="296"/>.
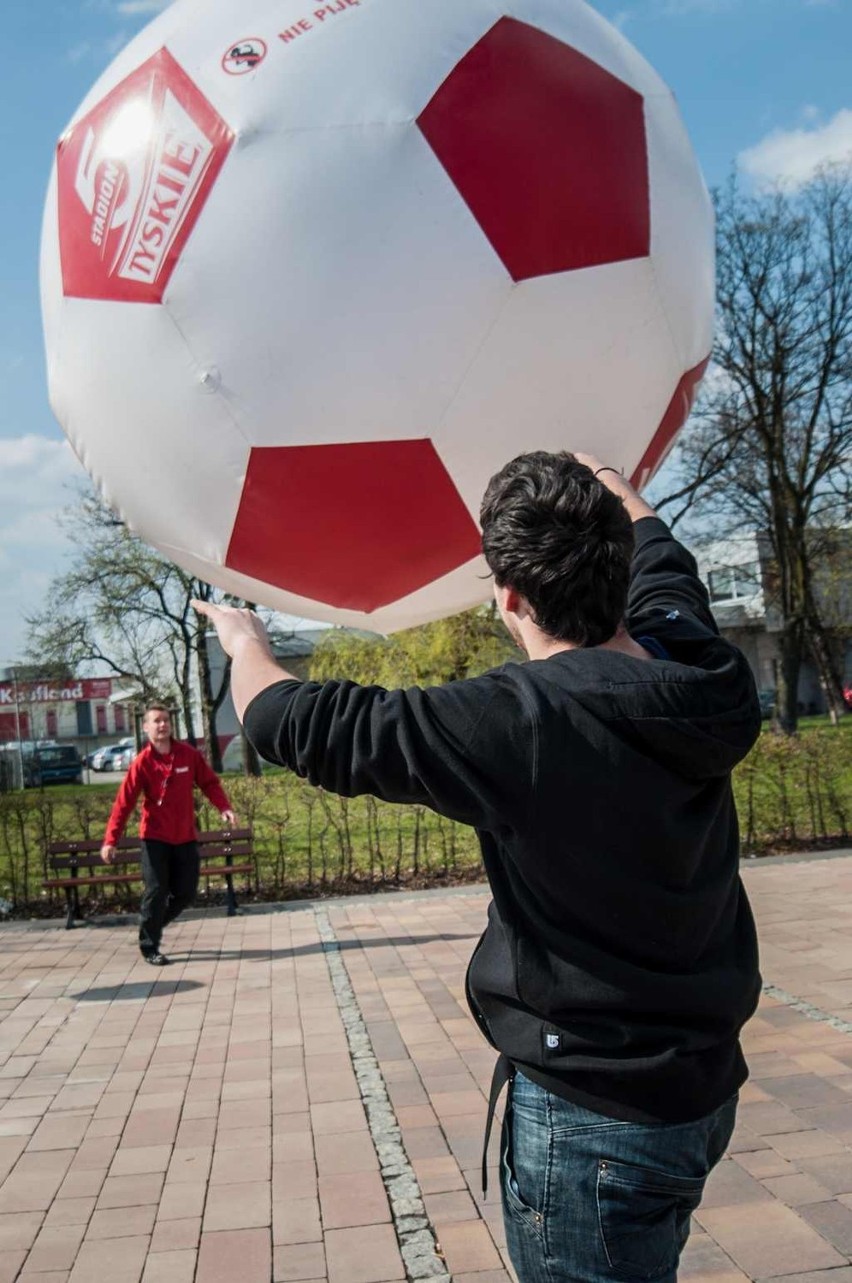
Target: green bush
<point x="792" y="793"/>
<point x="796" y="790"/>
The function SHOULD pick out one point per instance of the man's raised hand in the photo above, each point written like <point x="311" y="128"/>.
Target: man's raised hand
<point x="235" y="626"/>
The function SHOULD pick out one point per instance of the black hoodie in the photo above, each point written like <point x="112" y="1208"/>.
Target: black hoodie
<point x="620" y="959"/>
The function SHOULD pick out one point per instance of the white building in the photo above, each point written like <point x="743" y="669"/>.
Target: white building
<point x="738" y="572"/>
<point x="79" y="711"/>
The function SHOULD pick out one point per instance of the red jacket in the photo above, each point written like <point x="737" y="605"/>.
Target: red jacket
<point x="166" y="781"/>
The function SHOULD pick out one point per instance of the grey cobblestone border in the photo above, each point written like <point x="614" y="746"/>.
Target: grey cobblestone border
<point x="418" y="1245"/>
<point x="808" y="1009"/>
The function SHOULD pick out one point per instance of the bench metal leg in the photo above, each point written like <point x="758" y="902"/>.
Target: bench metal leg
<point x="231" y="899"/>
<point x="69" y="901"/>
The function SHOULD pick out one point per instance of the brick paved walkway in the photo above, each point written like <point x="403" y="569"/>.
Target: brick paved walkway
<point x="207" y="1123"/>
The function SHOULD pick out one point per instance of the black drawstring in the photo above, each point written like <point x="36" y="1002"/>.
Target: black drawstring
<point x="503" y="1072"/>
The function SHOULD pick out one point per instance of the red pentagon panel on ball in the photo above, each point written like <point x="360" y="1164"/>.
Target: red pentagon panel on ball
<point x="355" y="526"/>
<point x="133" y="175"/>
<point x="548" y="150"/>
<point x="671" y="423"/>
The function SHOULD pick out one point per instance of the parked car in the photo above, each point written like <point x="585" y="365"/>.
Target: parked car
<point x="54" y="764"/>
<point x="114" y="757"/>
<point x="102" y="756"/>
<point x="767" y="700"/>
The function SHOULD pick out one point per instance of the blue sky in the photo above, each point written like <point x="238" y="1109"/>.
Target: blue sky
<point x="761" y="83"/>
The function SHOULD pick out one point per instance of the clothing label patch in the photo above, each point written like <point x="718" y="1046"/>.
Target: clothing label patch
<point x="552" y="1042"/>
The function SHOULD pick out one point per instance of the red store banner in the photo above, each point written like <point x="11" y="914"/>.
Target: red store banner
<point x="51" y="693"/>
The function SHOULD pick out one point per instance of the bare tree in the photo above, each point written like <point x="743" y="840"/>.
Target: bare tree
<point x="771" y="445"/>
<point x="123" y="606"/>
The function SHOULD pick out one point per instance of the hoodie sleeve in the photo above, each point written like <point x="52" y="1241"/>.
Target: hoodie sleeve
<point x="208" y="781"/>
<point x="461" y="749"/>
<point x="125" y="801"/>
<point x="664" y="578"/>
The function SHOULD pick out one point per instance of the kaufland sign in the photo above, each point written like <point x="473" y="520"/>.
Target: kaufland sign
<point x="45" y="693"/>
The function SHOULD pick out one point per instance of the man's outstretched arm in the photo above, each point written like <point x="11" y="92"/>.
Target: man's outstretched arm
<point x="243" y="637"/>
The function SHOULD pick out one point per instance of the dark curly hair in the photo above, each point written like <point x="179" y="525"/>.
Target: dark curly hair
<point x="553" y="532"/>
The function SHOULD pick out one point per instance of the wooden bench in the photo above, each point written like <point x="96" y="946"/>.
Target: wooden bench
<point x="224" y="852"/>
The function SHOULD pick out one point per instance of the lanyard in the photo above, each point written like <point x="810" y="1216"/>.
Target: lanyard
<point x="167" y="776"/>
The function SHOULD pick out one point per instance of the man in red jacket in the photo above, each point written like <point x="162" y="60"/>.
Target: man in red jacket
<point x="165" y="773"/>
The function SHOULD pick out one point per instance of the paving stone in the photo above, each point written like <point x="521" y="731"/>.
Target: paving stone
<point x="234" y="1207"/>
<point x="296" y="1220"/>
<point x="130" y="1191"/>
<point x="728" y="1185"/>
<point x="352" y="1199"/>
<point x="140" y="1159"/>
<point x="703" y="1261"/>
<point x="843" y="1275"/>
<point x="70" y="1211"/>
<point x="797" y="1189"/>
<point x="176" y="1235"/>
<point x="365" y="1255"/>
<point x="345" y="1152"/>
<point x="19" y="1229"/>
<point x="10" y="1264"/>
<point x="467" y="1246"/>
<point x="244" y="1254"/>
<point x="182" y="1199"/>
<point x="456" y="1205"/>
<point x="833" y="1221"/>
<point x="118" y="1222"/>
<point x="776" y="1241"/>
<point x="833" y="1171"/>
<point x="118" y="1260"/>
<point x="170" y="1267"/>
<point x="55" y="1248"/>
<point x="298" y="1262"/>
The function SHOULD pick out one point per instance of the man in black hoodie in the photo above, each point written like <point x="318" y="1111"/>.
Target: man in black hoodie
<point x="620" y="961"/>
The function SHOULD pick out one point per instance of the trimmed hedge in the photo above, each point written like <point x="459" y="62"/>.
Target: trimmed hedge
<point x="792" y="793"/>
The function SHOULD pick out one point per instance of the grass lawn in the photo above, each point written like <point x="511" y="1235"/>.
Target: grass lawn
<point x="791" y="793"/>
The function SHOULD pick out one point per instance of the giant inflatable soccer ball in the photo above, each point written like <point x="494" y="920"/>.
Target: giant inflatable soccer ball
<point x="311" y="273"/>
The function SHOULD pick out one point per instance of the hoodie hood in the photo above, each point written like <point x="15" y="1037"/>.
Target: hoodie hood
<point x="697" y="713"/>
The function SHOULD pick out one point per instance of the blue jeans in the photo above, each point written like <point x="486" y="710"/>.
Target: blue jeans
<point x="590" y="1199"/>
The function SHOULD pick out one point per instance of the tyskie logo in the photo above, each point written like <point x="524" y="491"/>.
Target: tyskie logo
<point x="133" y="176"/>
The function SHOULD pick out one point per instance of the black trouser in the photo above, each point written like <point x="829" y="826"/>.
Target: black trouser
<point x="170" y="874"/>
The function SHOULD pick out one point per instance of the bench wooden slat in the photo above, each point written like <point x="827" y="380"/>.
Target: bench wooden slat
<point x="219" y="849"/>
<point x="110" y="879"/>
<point x="106" y="879"/>
<point x="208" y="851"/>
<point x="218" y="869"/>
<point x="219" y="835"/>
<point x="86" y="845"/>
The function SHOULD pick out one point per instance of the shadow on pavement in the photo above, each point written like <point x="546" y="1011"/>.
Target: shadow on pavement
<point x="208" y="955"/>
<point x="135" y="990"/>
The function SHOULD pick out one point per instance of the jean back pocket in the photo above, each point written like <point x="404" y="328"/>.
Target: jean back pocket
<point x="644" y="1217"/>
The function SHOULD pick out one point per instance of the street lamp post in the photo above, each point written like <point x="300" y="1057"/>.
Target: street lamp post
<point x="12" y="670"/>
<point x="17" y="713"/>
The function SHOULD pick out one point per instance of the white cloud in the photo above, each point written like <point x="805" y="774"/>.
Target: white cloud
<point x="792" y="156"/>
<point x="79" y="51"/>
<point x="655" y="9"/>
<point x="676" y="8"/>
<point x="37" y="478"/>
<point x="142" y="6"/>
